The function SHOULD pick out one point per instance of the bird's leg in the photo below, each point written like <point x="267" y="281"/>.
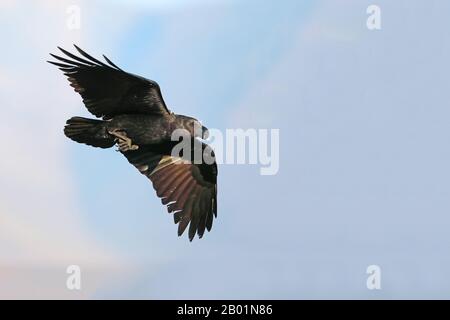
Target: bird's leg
<point x="124" y="143"/>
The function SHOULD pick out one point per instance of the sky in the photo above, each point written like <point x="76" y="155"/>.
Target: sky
<point x="363" y="177"/>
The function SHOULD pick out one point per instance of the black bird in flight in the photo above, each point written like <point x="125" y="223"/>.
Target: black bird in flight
<point x="135" y="117"/>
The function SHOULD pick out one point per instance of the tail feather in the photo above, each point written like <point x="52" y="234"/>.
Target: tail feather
<point x="89" y="131"/>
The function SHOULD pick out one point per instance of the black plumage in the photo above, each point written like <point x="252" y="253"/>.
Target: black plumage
<point x="136" y="118"/>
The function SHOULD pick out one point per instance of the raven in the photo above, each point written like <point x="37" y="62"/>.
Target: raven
<point x="135" y="117"/>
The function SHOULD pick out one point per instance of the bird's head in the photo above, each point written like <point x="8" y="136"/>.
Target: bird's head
<point x="194" y="127"/>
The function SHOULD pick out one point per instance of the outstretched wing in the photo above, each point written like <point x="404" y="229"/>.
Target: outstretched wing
<point x="107" y="90"/>
<point x="189" y="190"/>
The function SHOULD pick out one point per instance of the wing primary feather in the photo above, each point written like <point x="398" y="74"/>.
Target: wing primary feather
<point x="195" y="216"/>
<point x="161" y="171"/>
<point x="111" y="63"/>
<point x="204" y="213"/>
<point x="90" y="57"/>
<point x="67" y="70"/>
<point x="215" y="201"/>
<point x="71" y="55"/>
<point x="177" y="216"/>
<point x="186" y="216"/>
<point x="181" y="188"/>
<point x="71" y="62"/>
<point x="209" y="219"/>
<point x="61" y="65"/>
<point x="184" y="197"/>
<point x="163" y="184"/>
<point x="169" y="181"/>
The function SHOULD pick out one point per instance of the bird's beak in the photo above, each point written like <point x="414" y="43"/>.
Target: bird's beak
<point x="205" y="132"/>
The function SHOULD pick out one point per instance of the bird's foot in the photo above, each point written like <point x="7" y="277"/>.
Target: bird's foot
<point x="124" y="143"/>
<point x="124" y="146"/>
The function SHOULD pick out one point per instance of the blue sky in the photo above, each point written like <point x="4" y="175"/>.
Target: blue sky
<point x="363" y="179"/>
